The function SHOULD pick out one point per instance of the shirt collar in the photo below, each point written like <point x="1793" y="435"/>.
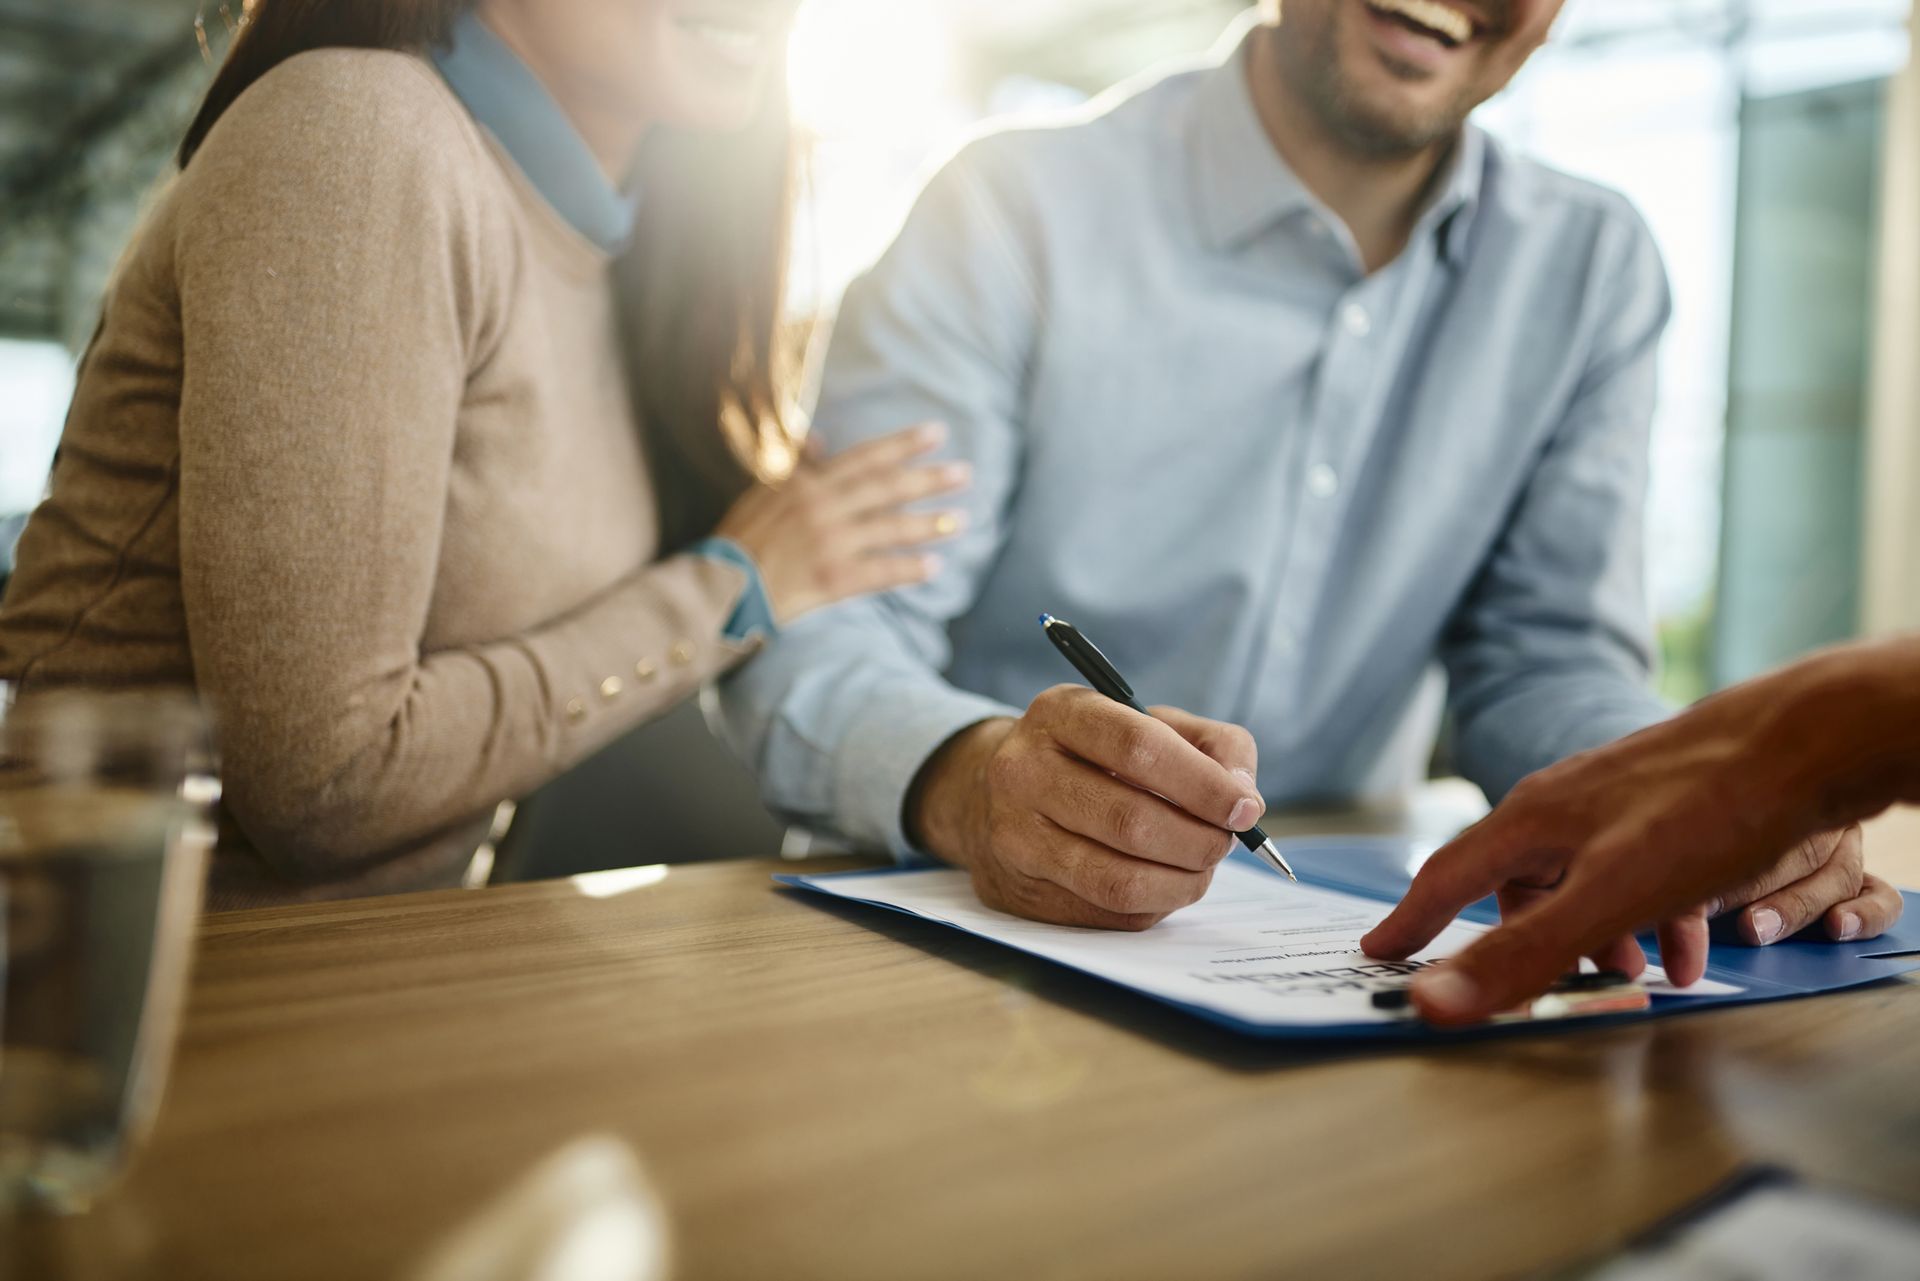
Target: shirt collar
<point x="508" y="100"/>
<point x="1242" y="186"/>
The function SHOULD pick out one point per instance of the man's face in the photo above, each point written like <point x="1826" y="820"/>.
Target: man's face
<point x="1391" y="76"/>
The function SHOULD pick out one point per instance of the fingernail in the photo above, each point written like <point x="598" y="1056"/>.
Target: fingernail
<point x="1246" y="812"/>
<point x="1448" y="991"/>
<point x="1849" y="926"/>
<point x="956" y="473"/>
<point x="1766" y="925"/>
<point x="931" y="565"/>
<point x="1714" y="908"/>
<point x="931" y="433"/>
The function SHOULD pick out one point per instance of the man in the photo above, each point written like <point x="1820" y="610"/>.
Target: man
<point x="1649" y="828"/>
<point x="1282" y="383"/>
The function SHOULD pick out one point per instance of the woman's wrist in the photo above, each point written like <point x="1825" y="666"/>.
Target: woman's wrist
<point x="753" y="614"/>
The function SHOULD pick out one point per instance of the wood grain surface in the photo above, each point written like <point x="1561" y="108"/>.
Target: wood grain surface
<point x="829" y="1091"/>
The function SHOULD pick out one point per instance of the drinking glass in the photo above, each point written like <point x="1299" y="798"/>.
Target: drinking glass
<point x="106" y="803"/>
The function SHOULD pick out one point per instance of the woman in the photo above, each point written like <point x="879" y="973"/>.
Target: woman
<point x="412" y="402"/>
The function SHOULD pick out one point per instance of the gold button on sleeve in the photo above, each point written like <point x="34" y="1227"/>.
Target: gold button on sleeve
<point x="610" y="688"/>
<point x="681" y="653"/>
<point x="576" y="709"/>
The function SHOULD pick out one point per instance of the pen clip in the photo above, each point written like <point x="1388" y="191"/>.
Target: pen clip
<point x="1095" y="660"/>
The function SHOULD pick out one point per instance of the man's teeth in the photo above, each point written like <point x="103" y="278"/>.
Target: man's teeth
<point x="733" y="38"/>
<point x="1431" y="14"/>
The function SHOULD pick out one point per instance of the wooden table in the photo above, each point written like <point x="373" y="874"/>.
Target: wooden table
<point x="837" y="1093"/>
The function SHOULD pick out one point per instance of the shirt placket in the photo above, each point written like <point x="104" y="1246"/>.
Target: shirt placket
<point x="1364" y="332"/>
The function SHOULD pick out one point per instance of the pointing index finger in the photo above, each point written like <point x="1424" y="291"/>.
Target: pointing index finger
<point x="1472" y="866"/>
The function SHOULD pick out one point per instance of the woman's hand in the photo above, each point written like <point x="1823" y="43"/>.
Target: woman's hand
<point x="838" y="527"/>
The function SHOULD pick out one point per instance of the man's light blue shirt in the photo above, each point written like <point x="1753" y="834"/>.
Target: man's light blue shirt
<point x="1275" y="489"/>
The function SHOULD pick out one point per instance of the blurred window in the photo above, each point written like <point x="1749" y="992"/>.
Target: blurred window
<point x="36" y="380"/>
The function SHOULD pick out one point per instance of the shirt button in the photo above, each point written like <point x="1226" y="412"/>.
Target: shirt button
<point x="644" y="670"/>
<point x="576" y="710"/>
<point x="1356" y="319"/>
<point x="610" y="688"/>
<point x="1323" y="481"/>
<point x="681" y="653"/>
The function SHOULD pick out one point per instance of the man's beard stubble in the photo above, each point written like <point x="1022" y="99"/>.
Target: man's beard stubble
<point x="1311" y="62"/>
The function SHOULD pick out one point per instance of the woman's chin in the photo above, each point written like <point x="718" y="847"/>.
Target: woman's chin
<point x="709" y="107"/>
<point x="717" y="70"/>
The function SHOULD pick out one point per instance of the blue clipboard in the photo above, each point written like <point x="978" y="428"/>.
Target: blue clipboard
<point x="1379" y="868"/>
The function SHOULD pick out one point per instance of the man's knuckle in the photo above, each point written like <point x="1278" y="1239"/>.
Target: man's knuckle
<point x="1050" y="704"/>
<point x="1812" y="854"/>
<point x="1797" y="905"/>
<point x="1128" y="823"/>
<point x="1139" y="750"/>
<point x="1005" y="771"/>
<point x="1119" y="888"/>
<point x="1009" y="843"/>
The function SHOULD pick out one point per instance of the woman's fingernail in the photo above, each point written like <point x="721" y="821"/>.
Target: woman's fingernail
<point x="1246" y="812"/>
<point x="1849" y="926"/>
<point x="956" y="473"/>
<point x="1448" y="991"/>
<point x="1766" y="925"/>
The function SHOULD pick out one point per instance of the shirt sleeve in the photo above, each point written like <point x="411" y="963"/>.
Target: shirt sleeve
<point x="752" y="617"/>
<point x="1551" y="651"/>
<point x="837" y="717"/>
<point x="324" y="376"/>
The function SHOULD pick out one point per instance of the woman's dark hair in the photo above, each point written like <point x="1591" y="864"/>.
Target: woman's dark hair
<point x="699" y="291"/>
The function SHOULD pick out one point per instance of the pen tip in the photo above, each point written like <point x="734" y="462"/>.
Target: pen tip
<point x="1046" y="620"/>
<point x="1272" y="854"/>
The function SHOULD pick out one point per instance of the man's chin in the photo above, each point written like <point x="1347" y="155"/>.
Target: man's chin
<point x="1391" y="114"/>
<point x="1396" y="126"/>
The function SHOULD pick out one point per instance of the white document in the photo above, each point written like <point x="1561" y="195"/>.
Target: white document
<point x="1257" y="948"/>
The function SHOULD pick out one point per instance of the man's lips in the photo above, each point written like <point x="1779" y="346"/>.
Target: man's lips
<point x="1447" y="24"/>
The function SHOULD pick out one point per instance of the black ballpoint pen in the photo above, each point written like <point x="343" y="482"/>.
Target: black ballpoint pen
<point x="1106" y="679"/>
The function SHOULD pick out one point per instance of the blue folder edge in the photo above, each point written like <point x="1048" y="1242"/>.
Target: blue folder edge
<point x="1379" y="868"/>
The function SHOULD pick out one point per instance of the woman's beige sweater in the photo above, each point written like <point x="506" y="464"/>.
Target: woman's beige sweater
<point x="354" y="455"/>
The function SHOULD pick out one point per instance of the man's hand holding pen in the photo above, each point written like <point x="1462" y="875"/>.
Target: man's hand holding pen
<point x="1086" y="812"/>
